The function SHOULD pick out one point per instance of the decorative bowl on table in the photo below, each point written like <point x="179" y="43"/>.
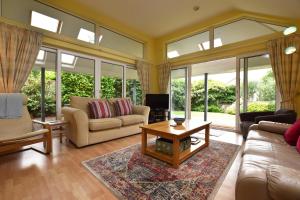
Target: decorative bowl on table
<point x="179" y="120"/>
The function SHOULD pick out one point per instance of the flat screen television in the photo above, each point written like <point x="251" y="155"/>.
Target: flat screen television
<point x="157" y="101"/>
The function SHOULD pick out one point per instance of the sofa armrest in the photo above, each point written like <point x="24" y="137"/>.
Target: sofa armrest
<point x="142" y="110"/>
<point x="78" y="125"/>
<point x="273" y="127"/>
<point x="253" y="127"/>
<point x="283" y="182"/>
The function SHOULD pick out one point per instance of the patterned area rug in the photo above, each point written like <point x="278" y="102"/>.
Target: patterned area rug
<point x="132" y="175"/>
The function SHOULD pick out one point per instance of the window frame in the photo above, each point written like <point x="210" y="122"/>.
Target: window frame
<point x="96" y="29"/>
<point x="211" y="30"/>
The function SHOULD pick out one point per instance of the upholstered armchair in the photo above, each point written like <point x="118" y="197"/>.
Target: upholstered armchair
<point x="18" y="132"/>
<point x="249" y="118"/>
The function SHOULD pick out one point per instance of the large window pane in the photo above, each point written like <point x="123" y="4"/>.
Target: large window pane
<point x="221" y="83"/>
<point x="222" y="99"/>
<point x="178" y="93"/>
<point x="111" y="80"/>
<point x="40" y="87"/>
<point x="77" y="77"/>
<point x="243" y="29"/>
<point x="197" y="94"/>
<point x="118" y="42"/>
<point x="261" y="90"/>
<point x="69" y="25"/>
<point x="199" y="42"/>
<point x="133" y="86"/>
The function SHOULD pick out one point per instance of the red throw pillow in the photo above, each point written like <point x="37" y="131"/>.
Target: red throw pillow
<point x="298" y="145"/>
<point x="292" y="134"/>
<point x="99" y="109"/>
<point x="124" y="107"/>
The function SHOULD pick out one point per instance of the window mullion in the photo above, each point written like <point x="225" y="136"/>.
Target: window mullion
<point x="58" y="84"/>
<point x="124" y="81"/>
<point x="97" y="78"/>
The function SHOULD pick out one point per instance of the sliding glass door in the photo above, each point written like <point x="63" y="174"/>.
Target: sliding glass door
<point x="40" y="86"/>
<point x="209" y="90"/>
<point x="59" y="74"/>
<point x="258" y="90"/>
<point x="77" y="77"/>
<point x="178" y="92"/>
<point x="111" y="80"/>
<point x="213" y="88"/>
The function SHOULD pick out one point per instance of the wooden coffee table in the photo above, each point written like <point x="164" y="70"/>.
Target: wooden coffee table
<point x="165" y="130"/>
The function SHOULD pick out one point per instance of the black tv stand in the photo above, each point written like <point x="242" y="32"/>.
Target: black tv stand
<point x="158" y="115"/>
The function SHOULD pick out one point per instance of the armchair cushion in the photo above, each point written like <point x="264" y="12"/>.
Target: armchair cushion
<point x="12" y="137"/>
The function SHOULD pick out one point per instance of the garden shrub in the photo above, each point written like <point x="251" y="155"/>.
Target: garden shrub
<point x="73" y="84"/>
<point x="261" y="106"/>
<point x="215" y="108"/>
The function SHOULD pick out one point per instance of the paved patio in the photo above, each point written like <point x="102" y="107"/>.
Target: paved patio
<point x="218" y="119"/>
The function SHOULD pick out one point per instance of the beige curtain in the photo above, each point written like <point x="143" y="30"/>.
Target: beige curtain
<point x="18" y="50"/>
<point x="286" y="68"/>
<point x="143" y="70"/>
<point x="164" y="71"/>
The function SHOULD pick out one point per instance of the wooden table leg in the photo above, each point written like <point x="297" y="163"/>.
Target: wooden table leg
<point x="176" y="152"/>
<point x="48" y="138"/>
<point x="144" y="141"/>
<point x="60" y="134"/>
<point x="207" y="129"/>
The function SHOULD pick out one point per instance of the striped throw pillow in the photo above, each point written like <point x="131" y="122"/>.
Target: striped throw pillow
<point x="99" y="109"/>
<point x="123" y="107"/>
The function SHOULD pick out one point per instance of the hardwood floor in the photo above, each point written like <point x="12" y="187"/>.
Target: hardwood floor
<point x="31" y="175"/>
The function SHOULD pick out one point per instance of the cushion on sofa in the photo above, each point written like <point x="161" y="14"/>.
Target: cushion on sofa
<point x="284" y="155"/>
<point x="99" y="109"/>
<point x="283" y="182"/>
<point x="298" y="145"/>
<point x="292" y="134"/>
<point x="131" y="119"/>
<point x="123" y="107"/>
<point x="265" y="136"/>
<point x="104" y="123"/>
<point x="273" y="127"/>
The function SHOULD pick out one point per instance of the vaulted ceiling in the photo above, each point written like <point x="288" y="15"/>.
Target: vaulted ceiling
<point x="160" y="17"/>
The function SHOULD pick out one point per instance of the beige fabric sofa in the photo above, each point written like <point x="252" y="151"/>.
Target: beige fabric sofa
<point x="85" y="131"/>
<point x="270" y="168"/>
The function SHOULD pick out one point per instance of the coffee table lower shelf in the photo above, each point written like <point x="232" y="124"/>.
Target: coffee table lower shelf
<point x="150" y="150"/>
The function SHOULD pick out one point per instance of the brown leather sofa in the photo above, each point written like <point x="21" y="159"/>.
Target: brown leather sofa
<point x="270" y="168"/>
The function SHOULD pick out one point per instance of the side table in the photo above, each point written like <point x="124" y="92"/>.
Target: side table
<point x="58" y="126"/>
